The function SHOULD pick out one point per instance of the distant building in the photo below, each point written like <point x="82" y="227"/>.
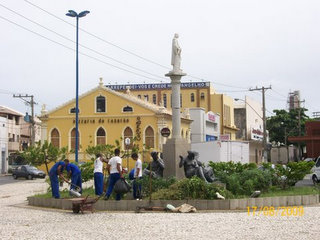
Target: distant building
<point x="205" y="126"/>
<point x="13" y="124"/>
<point x="312" y="138"/>
<point x="248" y="118"/>
<point x="193" y="95"/>
<point x="294" y="100"/>
<point x="15" y="133"/>
<point x="3" y="144"/>
<point x="107" y="116"/>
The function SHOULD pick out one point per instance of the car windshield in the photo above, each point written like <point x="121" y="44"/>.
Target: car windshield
<point x="31" y="168"/>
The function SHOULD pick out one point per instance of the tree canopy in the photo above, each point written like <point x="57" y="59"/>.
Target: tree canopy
<point x="286" y="123"/>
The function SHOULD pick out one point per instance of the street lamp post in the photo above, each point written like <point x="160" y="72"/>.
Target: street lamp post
<point x="72" y="13"/>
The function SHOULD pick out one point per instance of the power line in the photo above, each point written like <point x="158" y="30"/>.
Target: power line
<point x="40" y="35"/>
<point x="123" y="49"/>
<point x="263" y="90"/>
<point x="220" y="90"/>
<point x="88" y="48"/>
<point x="95" y="36"/>
<point x="279" y="93"/>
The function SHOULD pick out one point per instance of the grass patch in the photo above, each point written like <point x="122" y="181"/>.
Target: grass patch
<point x="292" y="191"/>
<point x="65" y="193"/>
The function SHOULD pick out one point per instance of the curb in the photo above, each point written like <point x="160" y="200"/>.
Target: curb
<point x="229" y="204"/>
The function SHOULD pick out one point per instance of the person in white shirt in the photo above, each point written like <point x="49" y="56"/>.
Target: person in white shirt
<point x="114" y="168"/>
<point x="98" y="174"/>
<point x="137" y="175"/>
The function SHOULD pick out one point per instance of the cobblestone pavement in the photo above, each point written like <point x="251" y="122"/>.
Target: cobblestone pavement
<point x="19" y="221"/>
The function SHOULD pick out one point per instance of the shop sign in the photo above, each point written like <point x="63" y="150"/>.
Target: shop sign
<point x="225" y="137"/>
<point x="158" y="86"/>
<point x="101" y="120"/>
<point x="165" y="132"/>
<point x="210" y="138"/>
<point x="256" y="134"/>
<point x="211" y="117"/>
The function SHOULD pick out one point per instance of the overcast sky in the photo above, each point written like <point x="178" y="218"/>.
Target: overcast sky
<point x="235" y="44"/>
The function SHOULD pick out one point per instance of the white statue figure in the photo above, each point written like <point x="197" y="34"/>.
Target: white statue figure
<point x="176" y="54"/>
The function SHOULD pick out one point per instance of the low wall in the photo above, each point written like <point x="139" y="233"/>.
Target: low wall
<point x="229" y="204"/>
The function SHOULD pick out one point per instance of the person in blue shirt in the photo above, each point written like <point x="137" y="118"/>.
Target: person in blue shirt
<point x="54" y="172"/>
<point x="75" y="173"/>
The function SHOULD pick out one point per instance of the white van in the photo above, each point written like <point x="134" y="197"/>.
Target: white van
<point x="315" y="176"/>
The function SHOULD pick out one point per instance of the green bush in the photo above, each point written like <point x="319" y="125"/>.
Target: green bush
<point x="248" y="181"/>
<point x="156" y="184"/>
<point x="191" y="188"/>
<point x="245" y="178"/>
<point x="222" y="170"/>
<point x="293" y="172"/>
<point x="87" y="171"/>
<point x="231" y="167"/>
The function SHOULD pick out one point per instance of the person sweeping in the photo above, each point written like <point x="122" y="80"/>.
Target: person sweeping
<point x="75" y="173"/>
<point x="54" y="172"/>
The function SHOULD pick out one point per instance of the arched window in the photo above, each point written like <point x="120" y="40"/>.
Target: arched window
<point x="192" y="97"/>
<point x="202" y="96"/>
<point x="149" y="137"/>
<point x="128" y="133"/>
<point x="127" y="109"/>
<point x="101" y="136"/>
<point x="55" y="138"/>
<point x="73" y="139"/>
<point x="73" y="110"/>
<point x="154" y="99"/>
<point x="100" y="104"/>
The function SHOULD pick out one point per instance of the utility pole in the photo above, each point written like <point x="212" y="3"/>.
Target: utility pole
<point x="263" y="90"/>
<point x="31" y="103"/>
<point x="299" y="128"/>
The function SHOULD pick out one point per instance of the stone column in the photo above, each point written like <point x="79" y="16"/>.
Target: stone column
<point x="175" y="146"/>
<point x="176" y="116"/>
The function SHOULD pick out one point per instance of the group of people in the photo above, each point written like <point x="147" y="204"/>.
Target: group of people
<point x="74" y="173"/>
<point x="114" y="169"/>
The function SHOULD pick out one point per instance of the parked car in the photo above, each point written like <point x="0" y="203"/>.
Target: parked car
<point x="315" y="176"/>
<point x="28" y="172"/>
<point x="309" y="159"/>
<point x="15" y="160"/>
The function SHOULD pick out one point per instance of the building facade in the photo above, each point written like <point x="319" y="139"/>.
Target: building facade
<point x="13" y="124"/>
<point x="4" y="144"/>
<point x="193" y="95"/>
<point x="248" y="118"/>
<point x="205" y="127"/>
<point x="312" y="138"/>
<point x="107" y="116"/>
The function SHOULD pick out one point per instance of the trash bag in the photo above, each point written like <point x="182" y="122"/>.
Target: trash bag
<point x="184" y="208"/>
<point x="122" y="186"/>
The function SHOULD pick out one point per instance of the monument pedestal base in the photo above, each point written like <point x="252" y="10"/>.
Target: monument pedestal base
<point x="171" y="151"/>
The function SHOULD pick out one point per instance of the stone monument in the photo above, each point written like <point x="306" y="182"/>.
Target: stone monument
<point x="175" y="146"/>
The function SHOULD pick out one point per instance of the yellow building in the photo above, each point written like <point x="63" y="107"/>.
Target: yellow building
<point x="193" y="94"/>
<point x="105" y="116"/>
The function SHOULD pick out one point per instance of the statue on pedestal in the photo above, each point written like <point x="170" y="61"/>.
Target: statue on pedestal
<point x="193" y="167"/>
<point x="156" y="167"/>
<point x="176" y="55"/>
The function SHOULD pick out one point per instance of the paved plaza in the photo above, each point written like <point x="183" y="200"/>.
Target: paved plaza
<point x="19" y="221"/>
